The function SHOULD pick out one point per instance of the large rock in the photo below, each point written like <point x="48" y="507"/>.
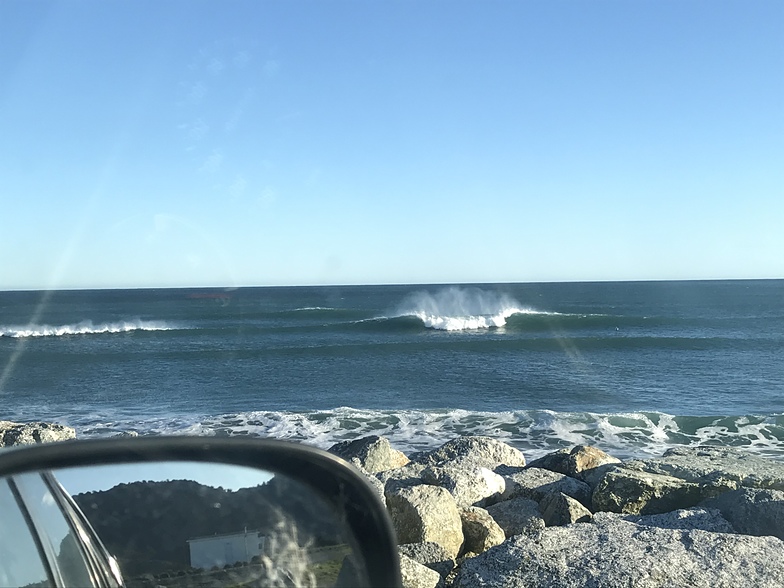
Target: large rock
<point x="614" y="553"/>
<point x="30" y="433"/>
<point x="516" y="516"/>
<point x="752" y="511"/>
<point x="426" y="513"/>
<point x="429" y="554"/>
<point x="625" y="490"/>
<point x="716" y="466"/>
<point x="480" y="530"/>
<point x="374" y="453"/>
<point x="404" y="477"/>
<point x="704" y="519"/>
<point x="480" y="451"/>
<point x="682" y="478"/>
<point x="470" y="485"/>
<point x="415" y="575"/>
<point x="575" y="461"/>
<point x="560" y="509"/>
<point x="374" y="482"/>
<point x="537" y="483"/>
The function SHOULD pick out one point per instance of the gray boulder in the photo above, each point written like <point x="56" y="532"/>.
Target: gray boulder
<point x="415" y="575"/>
<point x="480" y="530"/>
<point x="537" y="483"/>
<point x="593" y="476"/>
<point x="555" y="461"/>
<point x="30" y="433"/>
<point x="682" y="478"/>
<point x="752" y="511"/>
<point x="719" y="466"/>
<point x="426" y="513"/>
<point x="404" y="477"/>
<point x="373" y="480"/>
<point x="516" y="516"/>
<point x="577" y="460"/>
<point x="625" y="490"/>
<point x="704" y="519"/>
<point x="374" y="453"/>
<point x="468" y="483"/>
<point x="429" y="554"/>
<point x="560" y="509"/>
<point x="610" y="552"/>
<point x="480" y="451"/>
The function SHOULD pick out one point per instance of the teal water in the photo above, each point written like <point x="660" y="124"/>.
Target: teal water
<point x="632" y="367"/>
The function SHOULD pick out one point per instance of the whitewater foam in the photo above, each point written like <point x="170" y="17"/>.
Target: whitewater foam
<point x="82" y="328"/>
<point x="462" y="309"/>
<point x="535" y="432"/>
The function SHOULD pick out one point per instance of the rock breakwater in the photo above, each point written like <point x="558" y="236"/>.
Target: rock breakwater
<point x="30" y="433"/>
<point x="474" y="512"/>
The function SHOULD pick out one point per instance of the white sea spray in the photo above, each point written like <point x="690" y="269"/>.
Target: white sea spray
<point x="460" y="308"/>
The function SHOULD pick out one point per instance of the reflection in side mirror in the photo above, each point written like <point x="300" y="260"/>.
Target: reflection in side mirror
<point x="220" y="525"/>
<point x="177" y="523"/>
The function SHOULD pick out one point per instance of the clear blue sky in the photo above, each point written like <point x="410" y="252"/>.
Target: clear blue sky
<point x="224" y="143"/>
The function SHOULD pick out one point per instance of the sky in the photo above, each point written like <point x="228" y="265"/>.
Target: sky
<point x="103" y="477"/>
<point x="252" y="143"/>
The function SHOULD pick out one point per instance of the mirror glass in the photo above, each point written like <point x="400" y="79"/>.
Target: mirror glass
<point x="172" y="524"/>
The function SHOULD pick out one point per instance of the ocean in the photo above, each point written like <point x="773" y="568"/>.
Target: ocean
<point x="631" y="367"/>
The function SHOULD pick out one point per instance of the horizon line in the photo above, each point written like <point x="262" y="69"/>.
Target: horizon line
<point x="380" y="284"/>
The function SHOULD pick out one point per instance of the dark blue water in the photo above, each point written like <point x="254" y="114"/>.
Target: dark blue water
<point x="633" y="367"/>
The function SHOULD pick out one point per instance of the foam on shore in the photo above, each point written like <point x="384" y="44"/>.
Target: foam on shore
<point x="535" y="432"/>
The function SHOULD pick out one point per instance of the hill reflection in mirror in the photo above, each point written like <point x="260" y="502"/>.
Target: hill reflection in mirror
<point x="177" y="524"/>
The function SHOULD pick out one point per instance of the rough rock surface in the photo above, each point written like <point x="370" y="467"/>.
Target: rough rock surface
<point x="625" y="490"/>
<point x="480" y="530"/>
<point x="415" y="575"/>
<point x="716" y="465"/>
<point x="537" y="483"/>
<point x="516" y="516"/>
<point x="593" y="476"/>
<point x="660" y="538"/>
<point x="469" y="484"/>
<point x="431" y="555"/>
<point x="555" y="461"/>
<point x="405" y="477"/>
<point x="752" y="511"/>
<point x="560" y="509"/>
<point x="30" y="433"/>
<point x="704" y="519"/>
<point x="612" y="553"/>
<point x="374" y="481"/>
<point x="374" y="453"/>
<point x="426" y="513"/>
<point x="572" y="462"/>
<point x="480" y="451"/>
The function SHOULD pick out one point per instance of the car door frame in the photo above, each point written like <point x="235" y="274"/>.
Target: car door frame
<point x="92" y="552"/>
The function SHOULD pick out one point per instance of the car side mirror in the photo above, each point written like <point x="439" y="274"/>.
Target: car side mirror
<point x="190" y="511"/>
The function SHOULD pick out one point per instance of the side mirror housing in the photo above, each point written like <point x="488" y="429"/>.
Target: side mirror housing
<point x="262" y="512"/>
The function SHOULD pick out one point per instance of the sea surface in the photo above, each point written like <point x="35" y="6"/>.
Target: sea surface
<point x="631" y="367"/>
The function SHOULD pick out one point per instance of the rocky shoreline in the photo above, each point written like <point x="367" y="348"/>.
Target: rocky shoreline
<point x="473" y="513"/>
<point x="12" y="433"/>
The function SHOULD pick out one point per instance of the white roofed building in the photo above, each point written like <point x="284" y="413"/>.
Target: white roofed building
<point x="219" y="550"/>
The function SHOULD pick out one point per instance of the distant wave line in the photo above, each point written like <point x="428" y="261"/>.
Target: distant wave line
<point x="469" y="322"/>
<point x="81" y="328"/>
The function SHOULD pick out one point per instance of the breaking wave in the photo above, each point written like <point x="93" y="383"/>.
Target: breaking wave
<point x="81" y="328"/>
<point x="461" y="309"/>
